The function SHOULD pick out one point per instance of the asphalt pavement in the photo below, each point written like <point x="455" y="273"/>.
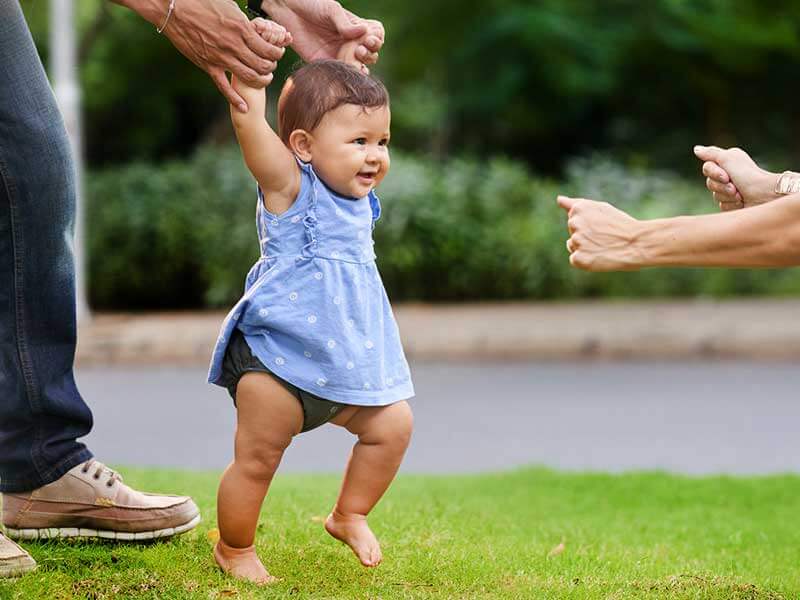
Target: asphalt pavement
<point x="691" y="417"/>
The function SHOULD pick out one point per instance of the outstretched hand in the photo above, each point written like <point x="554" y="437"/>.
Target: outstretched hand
<point x="323" y="29"/>
<point x="601" y="236"/>
<point x="734" y="179"/>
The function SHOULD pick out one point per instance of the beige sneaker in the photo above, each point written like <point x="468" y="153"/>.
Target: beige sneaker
<point x="14" y="561"/>
<point x="90" y="500"/>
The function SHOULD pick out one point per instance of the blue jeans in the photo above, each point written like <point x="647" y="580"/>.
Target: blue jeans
<point x="41" y="412"/>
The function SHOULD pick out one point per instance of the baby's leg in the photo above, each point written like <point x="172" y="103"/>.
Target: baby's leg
<point x="268" y="416"/>
<point x="383" y="435"/>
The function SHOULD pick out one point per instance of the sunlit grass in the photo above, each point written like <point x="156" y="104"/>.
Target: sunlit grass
<point x="524" y="534"/>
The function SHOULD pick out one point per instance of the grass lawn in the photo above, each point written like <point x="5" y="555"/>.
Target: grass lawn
<point x="645" y="535"/>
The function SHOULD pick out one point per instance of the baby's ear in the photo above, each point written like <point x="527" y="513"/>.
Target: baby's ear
<point x="300" y="142"/>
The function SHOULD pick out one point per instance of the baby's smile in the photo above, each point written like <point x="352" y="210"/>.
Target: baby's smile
<point x="367" y="177"/>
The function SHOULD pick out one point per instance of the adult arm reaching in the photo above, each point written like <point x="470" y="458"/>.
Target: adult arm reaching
<point x="604" y="238"/>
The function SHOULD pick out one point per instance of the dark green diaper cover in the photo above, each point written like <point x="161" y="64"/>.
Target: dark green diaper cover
<point x="239" y="360"/>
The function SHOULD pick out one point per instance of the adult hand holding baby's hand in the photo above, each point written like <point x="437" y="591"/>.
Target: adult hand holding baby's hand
<point x="323" y="29"/>
<point x="217" y="37"/>
<point x="274" y="34"/>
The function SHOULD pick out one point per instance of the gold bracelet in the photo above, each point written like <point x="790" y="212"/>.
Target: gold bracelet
<point x="169" y="14"/>
<point x="788" y="183"/>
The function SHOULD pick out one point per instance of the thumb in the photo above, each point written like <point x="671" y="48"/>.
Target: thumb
<point x="347" y="25"/>
<point x="708" y="153"/>
<point x="566" y="202"/>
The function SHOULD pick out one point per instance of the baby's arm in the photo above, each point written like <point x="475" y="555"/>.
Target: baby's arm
<point x="269" y="160"/>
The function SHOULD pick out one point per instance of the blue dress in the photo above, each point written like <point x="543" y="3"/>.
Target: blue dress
<point x="315" y="311"/>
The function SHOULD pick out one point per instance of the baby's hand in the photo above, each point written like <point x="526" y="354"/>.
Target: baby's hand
<point x="347" y="53"/>
<point x="272" y="33"/>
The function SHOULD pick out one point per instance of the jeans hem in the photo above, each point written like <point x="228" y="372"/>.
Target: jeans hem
<point x="31" y="483"/>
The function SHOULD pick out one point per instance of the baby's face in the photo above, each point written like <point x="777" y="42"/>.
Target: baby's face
<point x="350" y="148"/>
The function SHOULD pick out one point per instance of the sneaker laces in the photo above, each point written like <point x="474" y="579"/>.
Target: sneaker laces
<point x="100" y="470"/>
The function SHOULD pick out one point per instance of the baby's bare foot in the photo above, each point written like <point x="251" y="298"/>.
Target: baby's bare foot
<point x="354" y="531"/>
<point x="242" y="563"/>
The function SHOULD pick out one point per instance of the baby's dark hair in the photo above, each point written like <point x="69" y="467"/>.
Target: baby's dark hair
<point x="320" y="87"/>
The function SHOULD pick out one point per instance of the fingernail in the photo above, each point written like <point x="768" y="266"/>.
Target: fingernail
<point x="242" y="107"/>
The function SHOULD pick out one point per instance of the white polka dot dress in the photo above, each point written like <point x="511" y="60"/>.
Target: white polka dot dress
<point x="315" y="311"/>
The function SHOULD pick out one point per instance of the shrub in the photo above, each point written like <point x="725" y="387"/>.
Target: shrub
<point x="182" y="235"/>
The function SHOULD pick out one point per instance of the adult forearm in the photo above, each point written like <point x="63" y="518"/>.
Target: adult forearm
<point x="217" y="37"/>
<point x="762" y="236"/>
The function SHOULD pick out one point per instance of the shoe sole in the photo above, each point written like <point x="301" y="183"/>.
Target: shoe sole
<point x="17" y="570"/>
<point x="81" y="532"/>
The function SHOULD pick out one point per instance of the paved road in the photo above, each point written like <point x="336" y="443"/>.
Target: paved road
<point x="693" y="418"/>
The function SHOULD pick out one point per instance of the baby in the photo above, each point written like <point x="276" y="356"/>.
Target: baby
<point x="313" y="339"/>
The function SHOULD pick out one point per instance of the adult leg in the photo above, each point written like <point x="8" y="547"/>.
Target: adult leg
<point x="51" y="485"/>
<point x="41" y="412"/>
<point x="383" y="436"/>
<point x="268" y="417"/>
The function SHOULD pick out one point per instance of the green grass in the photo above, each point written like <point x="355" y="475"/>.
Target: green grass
<point x="626" y="536"/>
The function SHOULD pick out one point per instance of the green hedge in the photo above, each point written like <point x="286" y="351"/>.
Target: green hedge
<point x="182" y="234"/>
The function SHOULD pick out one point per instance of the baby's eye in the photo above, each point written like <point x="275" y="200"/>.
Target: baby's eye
<point x="384" y="142"/>
<point x="360" y="141"/>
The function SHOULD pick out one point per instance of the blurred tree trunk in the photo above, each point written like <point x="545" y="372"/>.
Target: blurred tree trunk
<point x="93" y="32"/>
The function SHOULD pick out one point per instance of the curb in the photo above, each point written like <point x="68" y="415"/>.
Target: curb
<point x="736" y="329"/>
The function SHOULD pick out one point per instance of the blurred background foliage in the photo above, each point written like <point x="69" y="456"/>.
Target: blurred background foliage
<point x="497" y="105"/>
<point x="181" y="234"/>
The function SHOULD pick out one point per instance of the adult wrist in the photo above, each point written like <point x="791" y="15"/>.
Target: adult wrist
<point x="170" y="10"/>
<point x="647" y="247"/>
<point x="762" y="189"/>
